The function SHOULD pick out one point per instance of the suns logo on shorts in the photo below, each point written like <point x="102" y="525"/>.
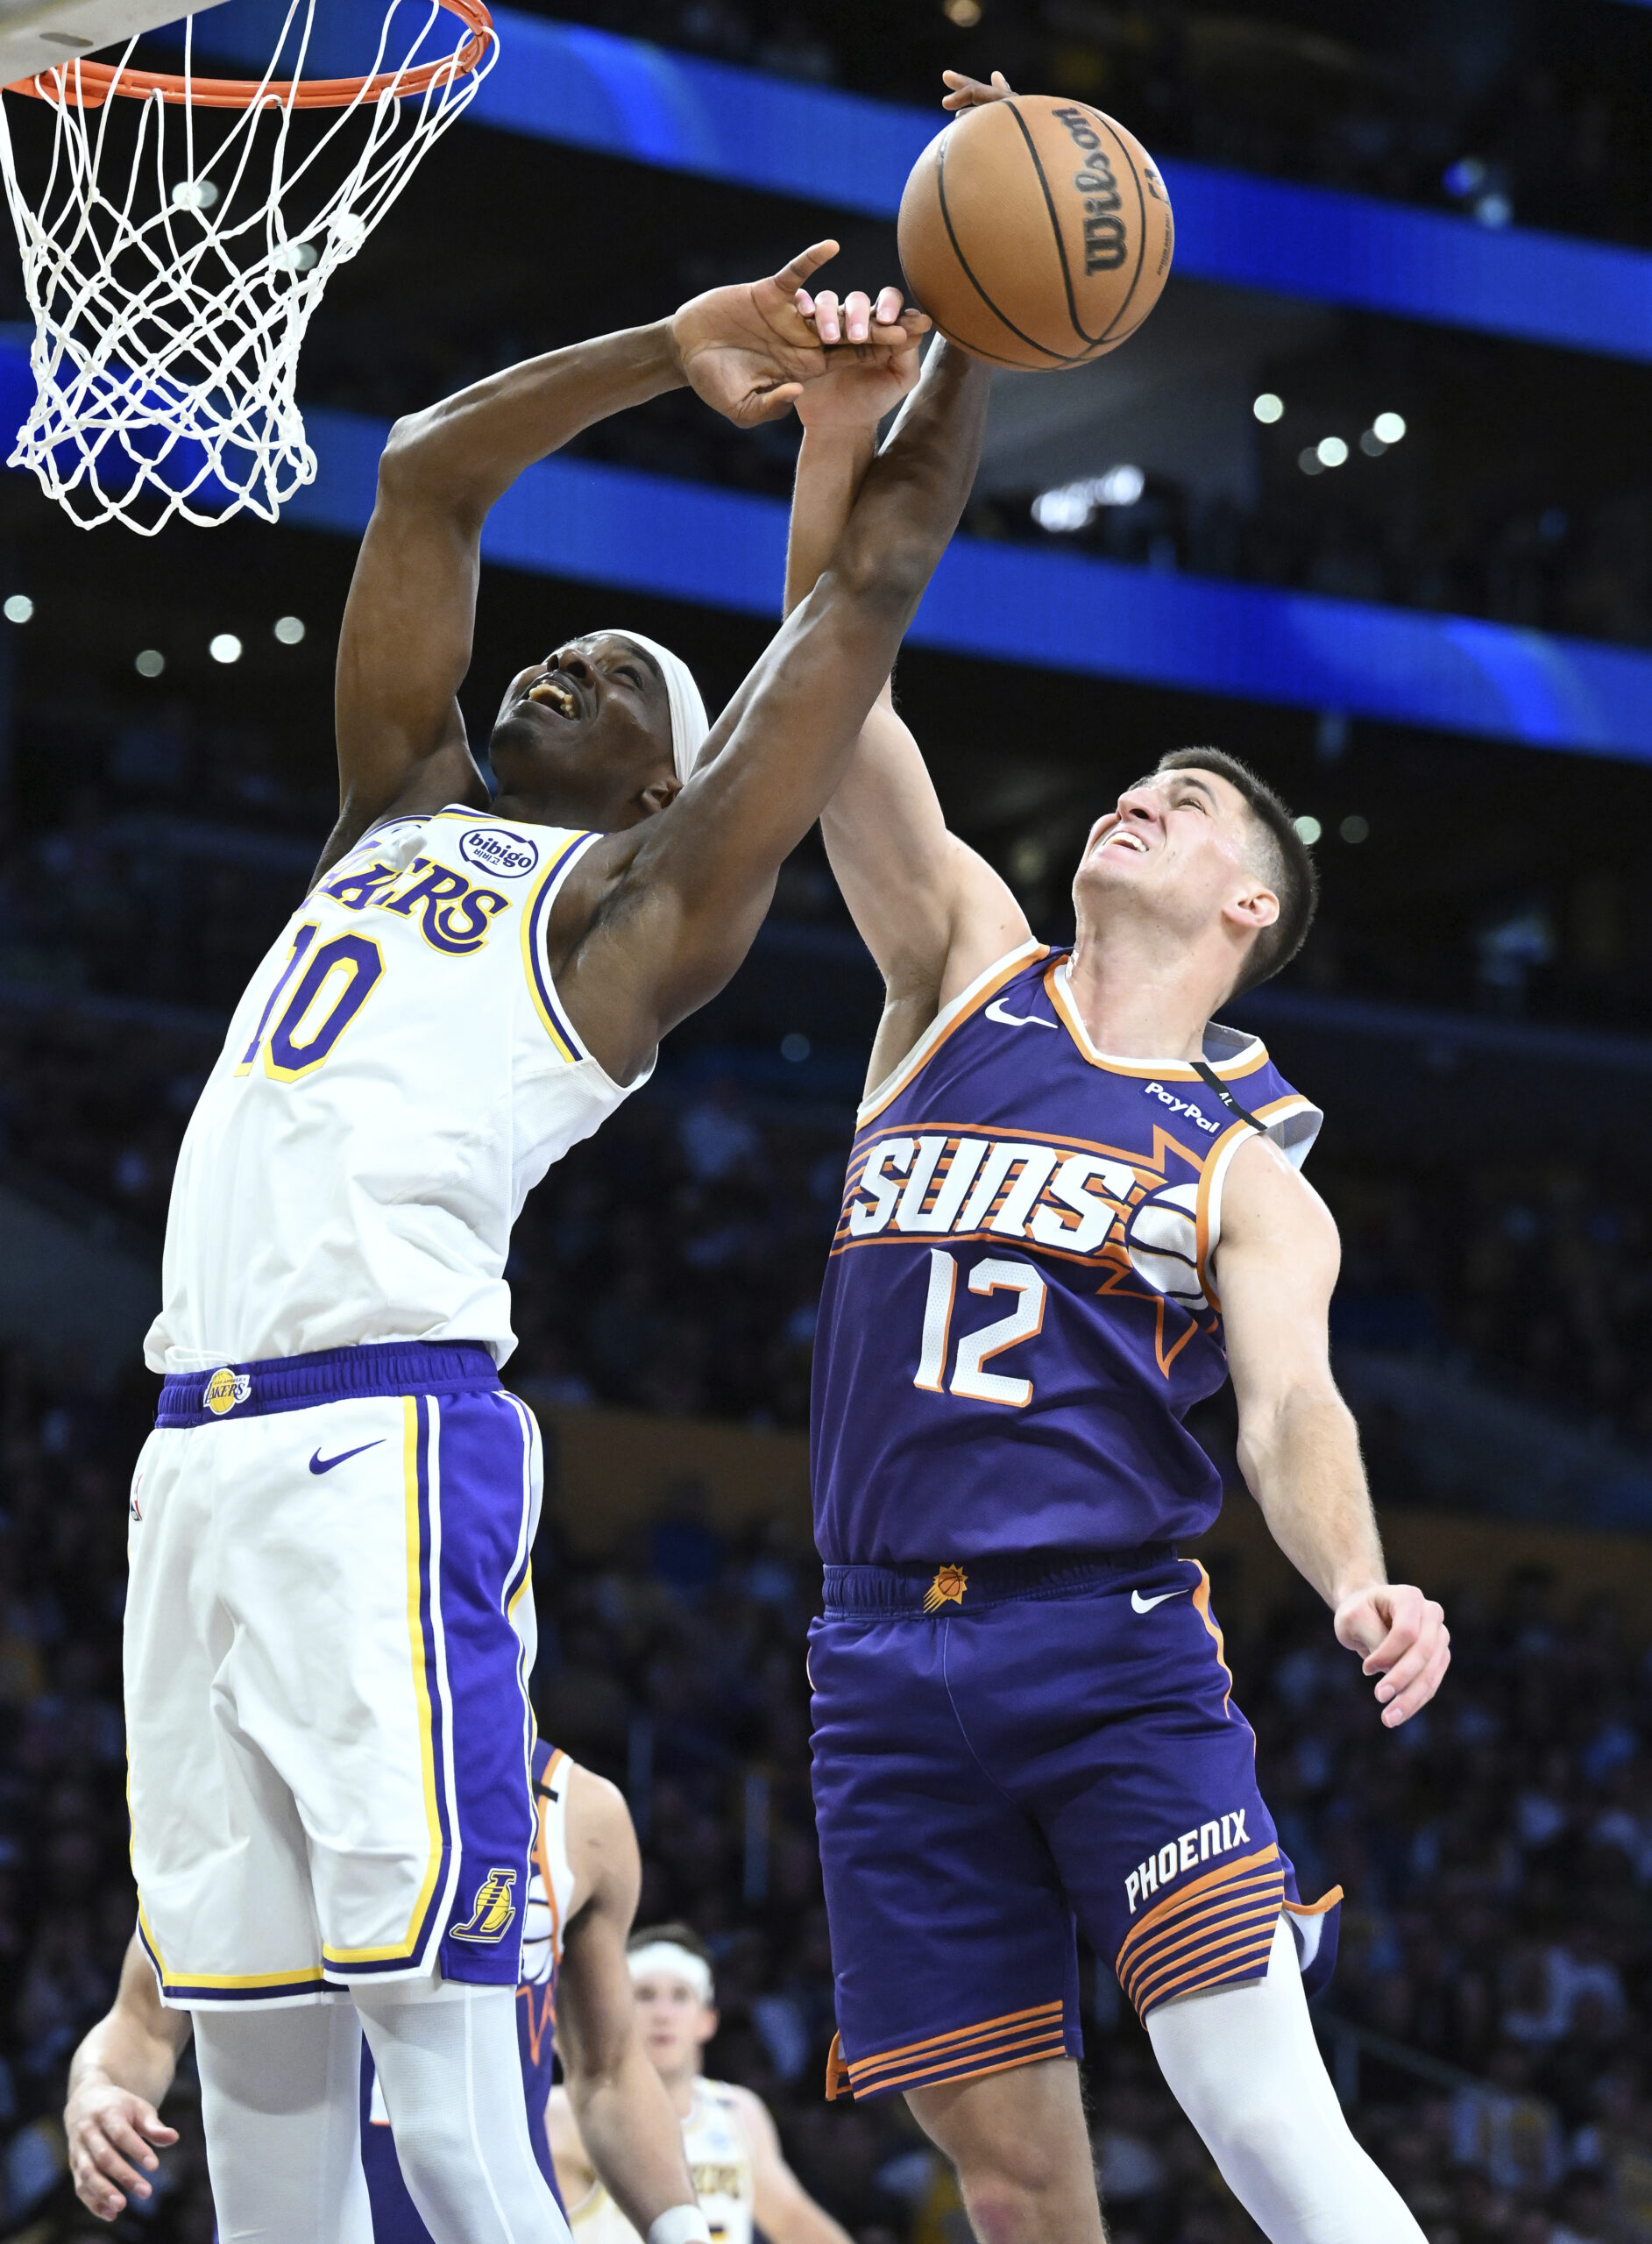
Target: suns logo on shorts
<point x="224" y="1389"/>
<point x="492" y="1909"/>
<point x="948" y="1588"/>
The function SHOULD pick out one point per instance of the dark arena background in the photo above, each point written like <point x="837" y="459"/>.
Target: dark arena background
<point x="1369" y="502"/>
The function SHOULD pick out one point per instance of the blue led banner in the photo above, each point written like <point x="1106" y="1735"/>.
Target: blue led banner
<point x="615" y="527"/>
<point x="621" y="97"/>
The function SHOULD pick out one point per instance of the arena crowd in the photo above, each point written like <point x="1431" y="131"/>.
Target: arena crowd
<point x="1497" y="1855"/>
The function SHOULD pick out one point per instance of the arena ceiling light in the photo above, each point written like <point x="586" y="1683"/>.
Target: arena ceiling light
<point x="18" y="608"/>
<point x="1072" y="506"/>
<point x="1268" y="408"/>
<point x="225" y="648"/>
<point x="1331" y="451"/>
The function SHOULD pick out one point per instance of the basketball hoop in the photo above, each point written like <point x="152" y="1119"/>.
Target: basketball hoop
<point x="173" y="262"/>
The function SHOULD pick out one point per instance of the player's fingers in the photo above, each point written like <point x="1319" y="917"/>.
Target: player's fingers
<point x="126" y="2141"/>
<point x="857" y="316"/>
<point x="762" y="405"/>
<point x="887" y="311"/>
<point x="1412" y="1700"/>
<point x="1407" y="1668"/>
<point x="829" y="324"/>
<point x="114" y="2168"/>
<point x="1405" y="1617"/>
<point x="97" y="2195"/>
<point x="792" y="277"/>
<point x="804" y="302"/>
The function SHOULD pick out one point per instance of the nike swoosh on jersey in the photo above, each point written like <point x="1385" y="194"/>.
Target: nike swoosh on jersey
<point x="320" y="1464"/>
<point x="996" y="1012"/>
<point x="1140" y="1604"/>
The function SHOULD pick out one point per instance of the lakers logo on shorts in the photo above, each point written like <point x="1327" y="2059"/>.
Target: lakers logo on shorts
<point x="948" y="1588"/>
<point x="492" y="1909"/>
<point x="224" y="1389"/>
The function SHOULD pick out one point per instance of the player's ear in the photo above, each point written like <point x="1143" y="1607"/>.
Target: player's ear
<point x="711" y="2019"/>
<point x="1255" y="907"/>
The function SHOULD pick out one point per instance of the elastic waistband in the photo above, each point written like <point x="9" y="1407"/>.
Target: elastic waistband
<point x="205" y="1398"/>
<point x="984" y="1582"/>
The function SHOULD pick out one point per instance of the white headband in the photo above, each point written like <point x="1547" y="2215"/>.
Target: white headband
<point x="666" y="1957"/>
<point x="689" y="723"/>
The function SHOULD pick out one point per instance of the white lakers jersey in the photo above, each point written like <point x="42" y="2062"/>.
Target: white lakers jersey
<point x="720" y="2164"/>
<point x="397" y="1076"/>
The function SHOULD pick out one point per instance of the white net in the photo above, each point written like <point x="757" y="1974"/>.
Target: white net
<point x="176" y="241"/>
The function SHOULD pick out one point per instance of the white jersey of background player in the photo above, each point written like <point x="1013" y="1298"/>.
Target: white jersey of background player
<point x="740" y="2173"/>
<point x="329" y="1622"/>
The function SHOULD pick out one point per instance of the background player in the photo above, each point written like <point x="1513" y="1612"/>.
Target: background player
<point x="583" y="1895"/>
<point x="738" y="2171"/>
<point x="336" y="1795"/>
<point x="1022" y="1711"/>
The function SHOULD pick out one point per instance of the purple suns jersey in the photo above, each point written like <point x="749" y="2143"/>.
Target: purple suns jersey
<point x="395" y="2218"/>
<point x="1019" y="1307"/>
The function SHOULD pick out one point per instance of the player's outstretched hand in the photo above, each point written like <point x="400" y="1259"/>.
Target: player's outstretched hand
<point x="969" y="93"/>
<point x="1404" y="1639"/>
<point x="872" y="361"/>
<point x="749" y="350"/>
<point x="110" y="2134"/>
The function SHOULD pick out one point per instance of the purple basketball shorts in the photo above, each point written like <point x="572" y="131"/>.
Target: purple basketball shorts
<point x="1010" y="1753"/>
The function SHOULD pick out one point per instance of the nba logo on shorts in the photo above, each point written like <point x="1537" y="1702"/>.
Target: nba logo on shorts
<point x="492" y="1909"/>
<point x="224" y="1389"/>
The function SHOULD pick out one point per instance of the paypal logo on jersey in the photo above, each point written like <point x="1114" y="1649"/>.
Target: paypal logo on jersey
<point x="1182" y="1106"/>
<point x="495" y="849"/>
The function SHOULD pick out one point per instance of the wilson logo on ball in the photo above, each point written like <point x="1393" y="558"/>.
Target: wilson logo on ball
<point x="1104" y="242"/>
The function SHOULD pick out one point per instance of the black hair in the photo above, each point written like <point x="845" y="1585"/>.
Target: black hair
<point x="1287" y="865"/>
<point x="679" y="1936"/>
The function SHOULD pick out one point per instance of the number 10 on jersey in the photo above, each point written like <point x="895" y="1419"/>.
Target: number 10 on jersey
<point x="970" y="1377"/>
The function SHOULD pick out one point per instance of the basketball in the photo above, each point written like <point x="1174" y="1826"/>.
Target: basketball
<point x="1036" y="232"/>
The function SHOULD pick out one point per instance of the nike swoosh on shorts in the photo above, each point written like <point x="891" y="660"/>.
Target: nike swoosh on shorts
<point x="320" y="1464"/>
<point x="996" y="1012"/>
<point x="1138" y="1603"/>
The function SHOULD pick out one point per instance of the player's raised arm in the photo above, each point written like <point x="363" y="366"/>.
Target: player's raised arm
<point x="1299" y="1448"/>
<point x="118" y="2078"/>
<point x="405" y="645"/>
<point x="932" y="911"/>
<point x="668" y="911"/>
<point x="625" y="2129"/>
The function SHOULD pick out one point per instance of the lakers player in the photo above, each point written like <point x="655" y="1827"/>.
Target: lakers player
<point x="1073" y="1208"/>
<point x="740" y="2173"/>
<point x="582" y="1896"/>
<point x="330" y="1621"/>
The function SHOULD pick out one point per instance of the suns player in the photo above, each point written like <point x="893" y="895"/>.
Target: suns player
<point x="1073" y="1208"/>
<point x="330" y="1620"/>
<point x="738" y="2171"/>
<point x="582" y="1889"/>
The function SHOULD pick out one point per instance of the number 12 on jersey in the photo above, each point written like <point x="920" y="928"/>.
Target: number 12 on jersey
<point x="970" y="1376"/>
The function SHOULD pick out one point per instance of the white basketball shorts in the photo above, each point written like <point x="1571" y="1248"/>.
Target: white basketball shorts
<point x="329" y="1630"/>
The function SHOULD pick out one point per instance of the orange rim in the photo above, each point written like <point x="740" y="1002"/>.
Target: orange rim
<point x="88" y="85"/>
